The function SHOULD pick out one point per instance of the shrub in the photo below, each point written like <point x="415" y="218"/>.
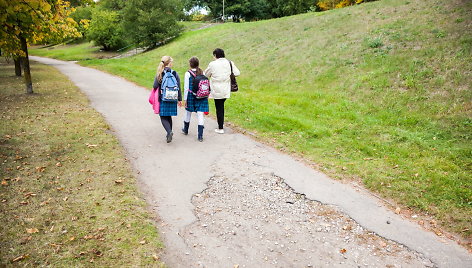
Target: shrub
<point x="150" y="22"/>
<point x="105" y="29"/>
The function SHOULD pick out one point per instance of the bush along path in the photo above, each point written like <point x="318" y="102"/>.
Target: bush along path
<point x="247" y="205"/>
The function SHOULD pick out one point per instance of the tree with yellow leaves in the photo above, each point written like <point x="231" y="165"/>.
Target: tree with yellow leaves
<point x="24" y="22"/>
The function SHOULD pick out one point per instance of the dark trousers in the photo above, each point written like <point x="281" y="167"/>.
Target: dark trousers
<point x="167" y="123"/>
<point x="220" y="112"/>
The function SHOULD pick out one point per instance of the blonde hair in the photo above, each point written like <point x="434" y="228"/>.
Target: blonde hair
<point x="165" y="61"/>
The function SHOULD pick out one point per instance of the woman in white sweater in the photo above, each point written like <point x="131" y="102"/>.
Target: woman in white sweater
<point x="219" y="72"/>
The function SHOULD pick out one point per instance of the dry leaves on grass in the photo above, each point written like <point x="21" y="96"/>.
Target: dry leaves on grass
<point x="19" y="258"/>
<point x="32" y="230"/>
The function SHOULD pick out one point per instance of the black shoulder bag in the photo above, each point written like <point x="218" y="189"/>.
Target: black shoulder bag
<point x="234" y="84"/>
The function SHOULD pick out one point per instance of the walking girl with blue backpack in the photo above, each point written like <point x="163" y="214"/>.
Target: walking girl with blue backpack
<point x="167" y="81"/>
<point x="196" y="92"/>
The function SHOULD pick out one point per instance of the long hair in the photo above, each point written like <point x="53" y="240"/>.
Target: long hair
<point x="165" y="61"/>
<point x="194" y="63"/>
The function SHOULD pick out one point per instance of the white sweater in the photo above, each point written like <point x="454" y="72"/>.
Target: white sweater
<point x="218" y="72"/>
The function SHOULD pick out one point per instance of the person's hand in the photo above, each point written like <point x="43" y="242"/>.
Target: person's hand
<point x="180" y="103"/>
<point x="185" y="104"/>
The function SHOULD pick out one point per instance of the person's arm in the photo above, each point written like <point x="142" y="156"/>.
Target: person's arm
<point x="186" y="84"/>
<point x="208" y="72"/>
<point x="180" y="91"/>
<point x="235" y="70"/>
<point x="156" y="84"/>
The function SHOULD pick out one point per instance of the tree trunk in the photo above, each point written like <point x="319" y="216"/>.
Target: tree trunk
<point x="26" y="66"/>
<point x="17" y="66"/>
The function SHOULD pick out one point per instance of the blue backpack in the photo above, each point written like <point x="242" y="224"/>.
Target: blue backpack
<point x="169" y="87"/>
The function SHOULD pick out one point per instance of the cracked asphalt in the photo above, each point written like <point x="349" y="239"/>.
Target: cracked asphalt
<point x="247" y="205"/>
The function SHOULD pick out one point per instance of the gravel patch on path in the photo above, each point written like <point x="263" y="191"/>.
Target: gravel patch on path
<point x="248" y="217"/>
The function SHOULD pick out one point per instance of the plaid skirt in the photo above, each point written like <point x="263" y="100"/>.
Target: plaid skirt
<point x="196" y="105"/>
<point x="168" y="108"/>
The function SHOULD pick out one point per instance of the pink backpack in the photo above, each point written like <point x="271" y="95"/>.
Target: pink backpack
<point x="201" y="86"/>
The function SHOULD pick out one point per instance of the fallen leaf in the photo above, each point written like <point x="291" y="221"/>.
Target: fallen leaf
<point x="155" y="257"/>
<point x="19" y="258"/>
<point x="397" y="210"/>
<point x="65" y="198"/>
<point x="58" y="164"/>
<point x="88" y="237"/>
<point x="343" y="250"/>
<point x="28" y="195"/>
<point x="32" y="230"/>
<point x="40" y="169"/>
<point x="118" y="181"/>
<point x="142" y="242"/>
<point x="4" y="183"/>
<point x="97" y="252"/>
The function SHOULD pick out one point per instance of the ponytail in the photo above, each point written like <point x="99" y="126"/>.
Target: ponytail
<point x="160" y="68"/>
<point x="199" y="71"/>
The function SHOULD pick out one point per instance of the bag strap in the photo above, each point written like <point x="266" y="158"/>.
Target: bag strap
<point x="231" y="66"/>
<point x="192" y="73"/>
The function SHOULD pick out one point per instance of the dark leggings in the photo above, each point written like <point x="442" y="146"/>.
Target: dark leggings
<point x="220" y="112"/>
<point x="167" y="123"/>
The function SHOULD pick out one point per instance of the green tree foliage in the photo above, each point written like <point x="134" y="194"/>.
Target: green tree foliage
<point x="281" y="8"/>
<point x="105" y="29"/>
<point x="116" y="5"/>
<point x="82" y="15"/>
<point x="254" y="9"/>
<point x="150" y="22"/>
<point x="78" y="3"/>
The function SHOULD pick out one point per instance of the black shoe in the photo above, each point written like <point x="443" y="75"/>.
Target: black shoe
<point x="169" y="137"/>
<point x="200" y="133"/>
<point x="185" y="128"/>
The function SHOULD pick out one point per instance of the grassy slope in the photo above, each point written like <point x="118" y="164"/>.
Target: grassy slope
<point x="379" y="91"/>
<point x="60" y="204"/>
<point x="82" y="51"/>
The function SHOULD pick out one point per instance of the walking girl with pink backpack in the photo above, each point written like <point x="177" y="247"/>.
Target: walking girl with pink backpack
<point x="196" y="92"/>
<point x="167" y="84"/>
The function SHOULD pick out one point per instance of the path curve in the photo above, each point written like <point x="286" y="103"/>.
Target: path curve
<point x="198" y="203"/>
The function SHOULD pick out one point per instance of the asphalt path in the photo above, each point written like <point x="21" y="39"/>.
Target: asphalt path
<point x="179" y="188"/>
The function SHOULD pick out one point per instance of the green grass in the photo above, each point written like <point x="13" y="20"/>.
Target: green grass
<point x="194" y="25"/>
<point x="379" y="92"/>
<point x="82" y="51"/>
<point x="68" y="196"/>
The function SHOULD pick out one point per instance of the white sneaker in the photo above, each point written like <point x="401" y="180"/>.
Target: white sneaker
<point x="220" y="131"/>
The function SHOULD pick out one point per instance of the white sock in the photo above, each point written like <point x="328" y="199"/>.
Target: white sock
<point x="188" y="116"/>
<point x="201" y="119"/>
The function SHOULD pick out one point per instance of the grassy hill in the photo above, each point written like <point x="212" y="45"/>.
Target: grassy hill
<point x="379" y="92"/>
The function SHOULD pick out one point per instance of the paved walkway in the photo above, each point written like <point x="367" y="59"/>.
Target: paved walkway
<point x="249" y="205"/>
